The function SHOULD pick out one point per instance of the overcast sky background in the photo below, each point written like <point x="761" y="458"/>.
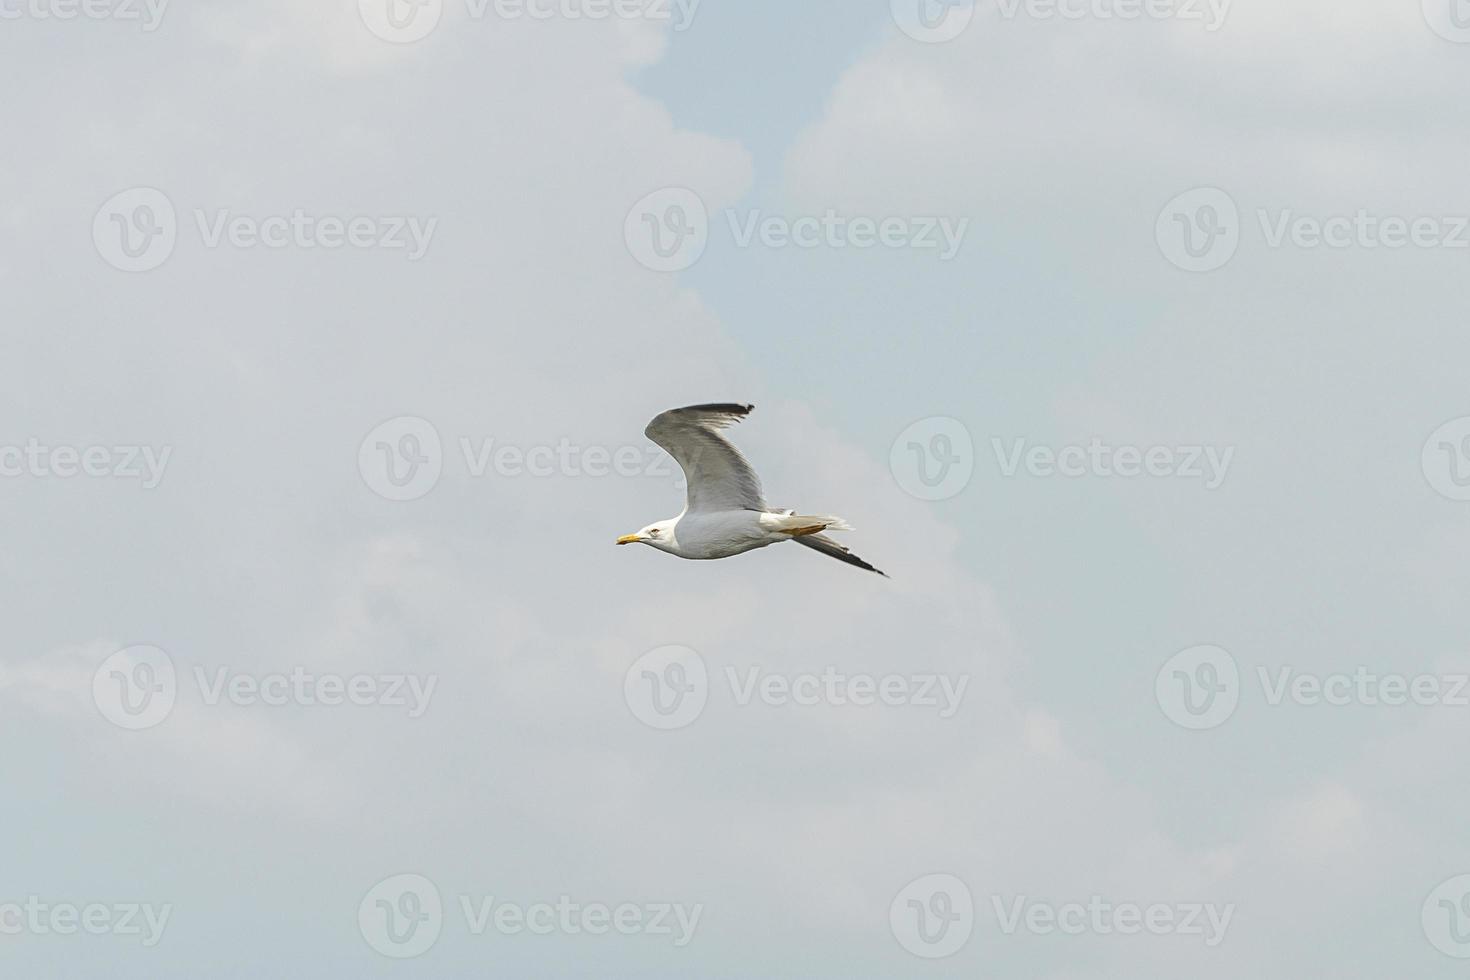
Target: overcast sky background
<point x="1334" y="540"/>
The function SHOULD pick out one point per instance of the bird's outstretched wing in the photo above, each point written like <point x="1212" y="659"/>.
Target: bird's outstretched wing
<point x="719" y="477"/>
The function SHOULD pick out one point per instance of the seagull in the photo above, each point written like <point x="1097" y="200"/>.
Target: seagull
<point x="725" y="513"/>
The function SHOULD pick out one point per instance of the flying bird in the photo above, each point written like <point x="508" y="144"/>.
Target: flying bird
<point x="725" y="513"/>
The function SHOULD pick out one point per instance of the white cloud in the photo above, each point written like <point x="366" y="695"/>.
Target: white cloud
<point x="1324" y="823"/>
<point x="1314" y="99"/>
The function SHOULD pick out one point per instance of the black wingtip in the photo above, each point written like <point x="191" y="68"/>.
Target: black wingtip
<point x="853" y="559"/>
<point x="832" y="549"/>
<point x="726" y="408"/>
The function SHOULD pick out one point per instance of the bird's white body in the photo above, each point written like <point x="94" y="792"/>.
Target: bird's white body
<point x="726" y="513"/>
<point x="703" y="536"/>
<point x="715" y="534"/>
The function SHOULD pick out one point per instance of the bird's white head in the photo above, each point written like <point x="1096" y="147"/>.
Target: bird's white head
<point x="659" y="535"/>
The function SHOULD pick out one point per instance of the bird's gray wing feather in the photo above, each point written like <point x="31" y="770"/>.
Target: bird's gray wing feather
<point x="718" y="476"/>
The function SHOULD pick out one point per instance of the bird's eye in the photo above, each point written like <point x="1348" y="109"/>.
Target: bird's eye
<point x="653" y="533"/>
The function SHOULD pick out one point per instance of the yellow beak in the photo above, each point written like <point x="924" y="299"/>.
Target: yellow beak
<point x="629" y="539"/>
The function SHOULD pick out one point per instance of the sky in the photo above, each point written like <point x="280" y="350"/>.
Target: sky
<point x="1129" y="335"/>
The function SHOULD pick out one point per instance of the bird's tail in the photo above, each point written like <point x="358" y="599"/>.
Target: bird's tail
<point x="802" y="525"/>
